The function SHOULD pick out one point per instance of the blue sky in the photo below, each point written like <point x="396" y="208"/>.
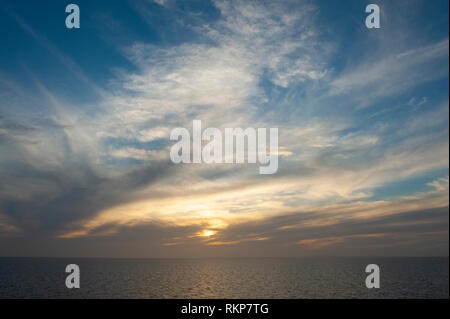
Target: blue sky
<point x="86" y="115"/>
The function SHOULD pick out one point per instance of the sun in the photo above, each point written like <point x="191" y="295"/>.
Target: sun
<point x="208" y="233"/>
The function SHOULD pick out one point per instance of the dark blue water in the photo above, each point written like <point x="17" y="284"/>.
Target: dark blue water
<point x="225" y="278"/>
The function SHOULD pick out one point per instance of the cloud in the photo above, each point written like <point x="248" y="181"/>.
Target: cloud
<point x="393" y="74"/>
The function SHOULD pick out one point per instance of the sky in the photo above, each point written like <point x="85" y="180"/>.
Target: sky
<point x="86" y="116"/>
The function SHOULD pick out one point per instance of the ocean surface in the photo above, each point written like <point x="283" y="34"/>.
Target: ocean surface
<point x="337" y="277"/>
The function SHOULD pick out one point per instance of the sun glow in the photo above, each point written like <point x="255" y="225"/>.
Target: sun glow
<point x="208" y="233"/>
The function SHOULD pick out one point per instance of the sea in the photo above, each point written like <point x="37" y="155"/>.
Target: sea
<point x="247" y="278"/>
